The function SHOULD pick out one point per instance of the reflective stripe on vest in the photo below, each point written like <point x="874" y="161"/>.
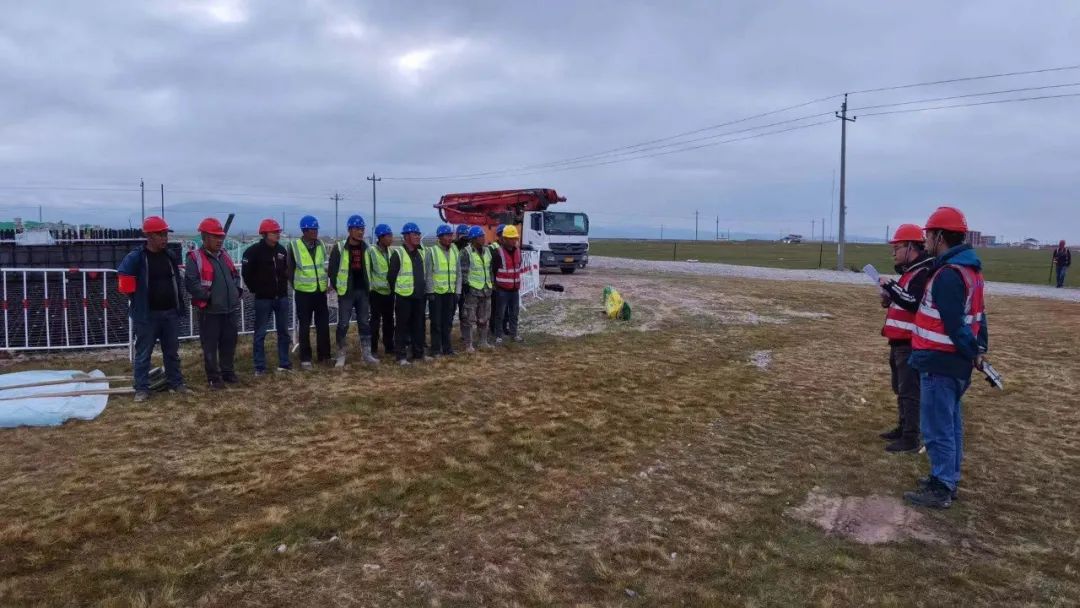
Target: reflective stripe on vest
<point x="929" y="332"/>
<point x="509" y="274"/>
<point x="206" y="271"/>
<point x="405" y="284"/>
<point x="378" y="266"/>
<point x="898" y="322"/>
<point x="310" y="275"/>
<point x="444" y="271"/>
<point x="480" y="269"/>
<point x="342" y="278"/>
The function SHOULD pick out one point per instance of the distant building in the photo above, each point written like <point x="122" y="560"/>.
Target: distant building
<point x="1031" y="243"/>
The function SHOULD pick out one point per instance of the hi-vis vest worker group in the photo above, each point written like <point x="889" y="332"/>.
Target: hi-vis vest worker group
<point x="935" y="323"/>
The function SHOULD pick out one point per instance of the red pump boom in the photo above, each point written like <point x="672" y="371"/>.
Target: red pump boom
<point x="489" y="209"/>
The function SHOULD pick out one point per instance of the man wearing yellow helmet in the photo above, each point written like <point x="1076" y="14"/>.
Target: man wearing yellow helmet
<point x="506" y="268"/>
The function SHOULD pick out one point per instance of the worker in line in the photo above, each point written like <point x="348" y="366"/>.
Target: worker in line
<point x="307" y="271"/>
<point x="494" y="246"/>
<point x="506" y="268"/>
<point x="476" y="290"/>
<point x="949" y="340"/>
<point x="349" y="276"/>
<point x="150" y="276"/>
<point x="407" y="281"/>
<point x="461" y="242"/>
<point x="902" y="298"/>
<point x="1062" y="259"/>
<point x="382" y="299"/>
<point x="214" y="284"/>
<point x="442" y="278"/>
<point x="265" y="269"/>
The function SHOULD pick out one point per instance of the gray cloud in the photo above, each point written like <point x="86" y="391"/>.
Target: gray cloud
<point x="214" y="97"/>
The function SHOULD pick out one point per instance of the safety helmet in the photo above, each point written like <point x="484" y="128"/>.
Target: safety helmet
<point x="908" y="232"/>
<point x="511" y="232"/>
<point x="382" y="230"/>
<point x="475" y="232"/>
<point x="410" y="227"/>
<point x="499" y="229"/>
<point x="211" y="225"/>
<point x="153" y="223"/>
<point x="443" y="230"/>
<point x="309" y="222"/>
<point x="356" y="221"/>
<point x="947" y="218"/>
<point x="269" y="225"/>
<point x="462" y="230"/>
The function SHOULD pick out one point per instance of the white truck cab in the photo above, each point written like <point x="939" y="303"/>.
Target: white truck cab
<point x="561" y="237"/>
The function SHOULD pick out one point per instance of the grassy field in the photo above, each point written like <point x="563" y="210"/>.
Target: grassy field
<point x="1002" y="264"/>
<point x="647" y="463"/>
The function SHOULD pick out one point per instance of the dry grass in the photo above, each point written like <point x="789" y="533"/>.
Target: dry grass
<point x="652" y="465"/>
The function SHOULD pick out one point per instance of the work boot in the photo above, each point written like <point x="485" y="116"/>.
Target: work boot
<point x="469" y="347"/>
<point x="934" y="494"/>
<point x="366" y="354"/>
<point x="498" y="341"/>
<point x="519" y="339"/>
<point x="230" y="379"/>
<point x="925" y="481"/>
<point x="281" y="369"/>
<point x="216" y="385"/>
<point x="341" y="354"/>
<point x="892" y="435"/>
<point x="141" y="396"/>
<point x="306" y="365"/>
<point x="404" y="362"/>
<point x="484" y="340"/>
<point x="181" y="389"/>
<point x="903" y="446"/>
<point x="259" y="373"/>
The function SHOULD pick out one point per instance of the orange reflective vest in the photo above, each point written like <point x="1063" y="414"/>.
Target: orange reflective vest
<point x="929" y="331"/>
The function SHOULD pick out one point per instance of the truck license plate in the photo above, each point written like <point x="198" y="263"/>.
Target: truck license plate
<point x="568" y="260"/>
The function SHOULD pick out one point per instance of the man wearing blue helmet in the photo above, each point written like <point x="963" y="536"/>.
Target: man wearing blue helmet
<point x="408" y="282"/>
<point x="382" y="299"/>
<point x="461" y="241"/>
<point x="307" y="271"/>
<point x="477" y="285"/>
<point x="443" y="280"/>
<point x="349" y="276"/>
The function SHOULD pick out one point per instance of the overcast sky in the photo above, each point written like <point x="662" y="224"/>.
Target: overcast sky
<point x="260" y="107"/>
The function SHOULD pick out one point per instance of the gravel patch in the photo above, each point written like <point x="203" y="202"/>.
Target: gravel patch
<point x="824" y="276"/>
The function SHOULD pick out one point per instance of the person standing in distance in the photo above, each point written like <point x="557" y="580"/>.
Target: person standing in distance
<point x="265" y="269"/>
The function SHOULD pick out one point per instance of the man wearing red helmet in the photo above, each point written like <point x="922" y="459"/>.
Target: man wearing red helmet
<point x="214" y="285"/>
<point x="902" y="298"/>
<point x="1061" y="260"/>
<point x="150" y="277"/>
<point x="266" y="274"/>
<point x="949" y="340"/>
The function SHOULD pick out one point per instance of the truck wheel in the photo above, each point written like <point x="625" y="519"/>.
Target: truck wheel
<point x="568" y="270"/>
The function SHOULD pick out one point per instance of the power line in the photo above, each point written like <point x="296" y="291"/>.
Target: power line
<point x="966" y="79"/>
<point x="965" y="96"/>
<point x="967" y="105"/>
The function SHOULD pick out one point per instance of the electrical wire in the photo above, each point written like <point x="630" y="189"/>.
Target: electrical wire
<point x="968" y="95"/>
<point x="966" y="79"/>
<point x="967" y="105"/>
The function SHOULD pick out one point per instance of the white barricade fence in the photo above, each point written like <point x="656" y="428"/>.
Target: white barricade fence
<point x="530" y="275"/>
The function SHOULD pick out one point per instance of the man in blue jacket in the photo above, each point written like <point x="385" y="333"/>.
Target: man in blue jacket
<point x="150" y="276"/>
<point x="948" y="342"/>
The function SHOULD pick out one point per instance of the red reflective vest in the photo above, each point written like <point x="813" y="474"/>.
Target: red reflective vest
<point x="899" y="323"/>
<point x="509" y="275"/>
<point x="206" y="271"/>
<point x="929" y="332"/>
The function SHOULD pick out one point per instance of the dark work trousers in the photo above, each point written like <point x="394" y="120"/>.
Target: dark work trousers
<point x="905" y="383"/>
<point x="382" y="317"/>
<point x="313" y="306"/>
<point x="356" y="301"/>
<point x="217" y="333"/>
<point x="160" y="326"/>
<point x="442" y="319"/>
<point x="410" y="326"/>
<point x="507" y="306"/>
<point x="264" y="307"/>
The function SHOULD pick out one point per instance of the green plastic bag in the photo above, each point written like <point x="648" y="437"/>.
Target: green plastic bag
<point x="616" y="307"/>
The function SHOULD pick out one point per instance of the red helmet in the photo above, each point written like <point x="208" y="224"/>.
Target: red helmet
<point x="947" y="218"/>
<point x="211" y="226"/>
<point x="269" y="225"/>
<point x="153" y="223"/>
<point x="907" y="232"/>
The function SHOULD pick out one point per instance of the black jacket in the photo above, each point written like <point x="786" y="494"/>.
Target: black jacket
<point x="265" y="270"/>
<point x="1063" y="258"/>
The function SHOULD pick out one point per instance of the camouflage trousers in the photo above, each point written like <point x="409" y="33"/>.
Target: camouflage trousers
<point x="475" y="316"/>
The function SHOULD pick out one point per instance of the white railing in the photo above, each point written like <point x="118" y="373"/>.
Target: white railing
<point x="530" y="276"/>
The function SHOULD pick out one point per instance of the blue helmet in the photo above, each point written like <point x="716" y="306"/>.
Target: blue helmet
<point x="309" y="222"/>
<point x="462" y="230"/>
<point x="499" y="229"/>
<point x="410" y="227"/>
<point x="356" y="221"/>
<point x="443" y="230"/>
<point x="475" y="232"/>
<point x="382" y="230"/>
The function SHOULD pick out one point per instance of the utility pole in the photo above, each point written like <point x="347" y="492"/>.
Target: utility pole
<point x="718" y="227"/>
<point x="162" y="201"/>
<point x="832" y="201"/>
<point x="40" y="215"/>
<point x="142" y="197"/>
<point x="695" y="226"/>
<point x="812" y="229"/>
<point x="842" y="115"/>
<point x="374" y="211"/>
<point x="887" y="233"/>
<point x="337" y="226"/>
<point x="661" y="232"/>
